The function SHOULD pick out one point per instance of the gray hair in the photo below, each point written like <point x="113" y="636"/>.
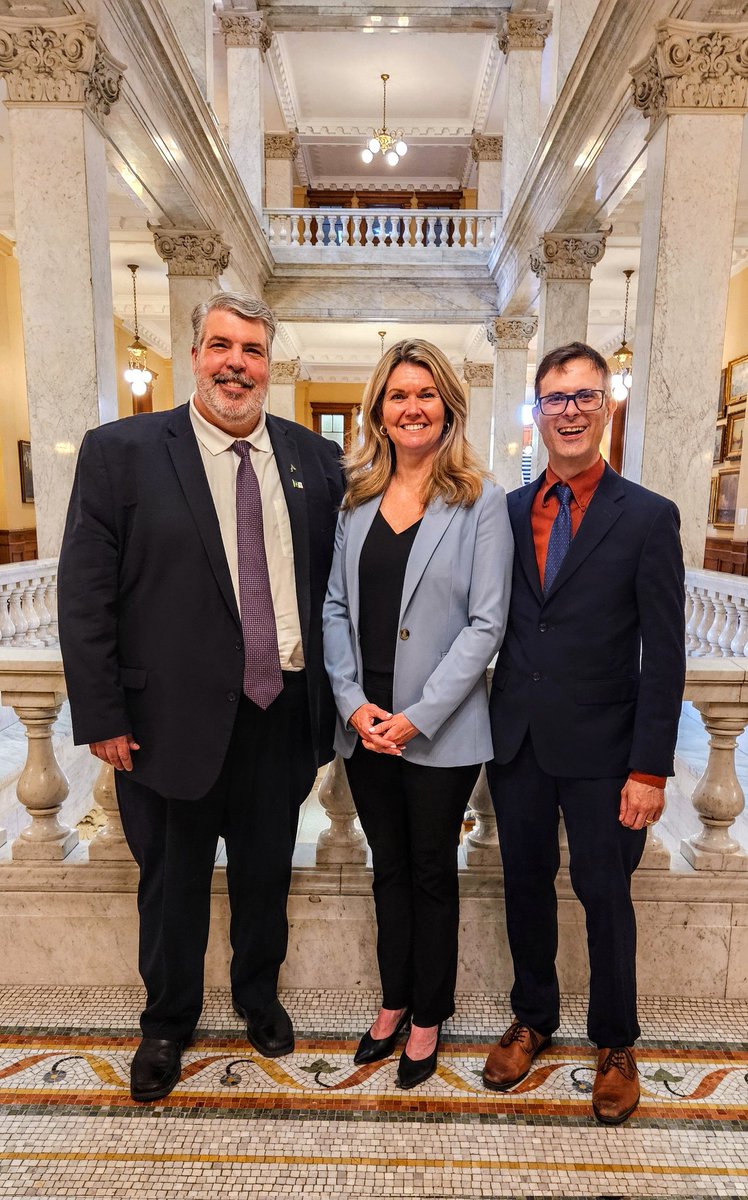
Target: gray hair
<point x="243" y="305"/>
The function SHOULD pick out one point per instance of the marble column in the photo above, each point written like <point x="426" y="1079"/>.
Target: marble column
<point x="510" y="338"/>
<point x="247" y="38"/>
<point x="193" y="25"/>
<point x="194" y="259"/>
<point x="563" y="263"/>
<point x="479" y="378"/>
<point x="571" y="20"/>
<point x="280" y="151"/>
<point x="61" y="85"/>
<point x="693" y="87"/>
<point x="521" y="40"/>
<point x="282" y="393"/>
<point x="487" y="151"/>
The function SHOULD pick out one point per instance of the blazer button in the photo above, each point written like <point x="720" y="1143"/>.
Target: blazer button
<point x="239" y="646"/>
<point x="536" y="676"/>
<point x="404" y="635"/>
<point x="231" y="696"/>
<point x="543" y="626"/>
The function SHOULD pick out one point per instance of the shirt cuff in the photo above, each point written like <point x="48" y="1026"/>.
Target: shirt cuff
<point x="657" y="781"/>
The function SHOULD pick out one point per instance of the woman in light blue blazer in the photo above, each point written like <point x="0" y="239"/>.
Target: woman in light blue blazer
<point x="415" y="610"/>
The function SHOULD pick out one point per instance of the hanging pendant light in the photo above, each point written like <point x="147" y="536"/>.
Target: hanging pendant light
<point x="137" y="374"/>
<point x="391" y="145"/>
<point x="622" y="379"/>
<point x="382" y="334"/>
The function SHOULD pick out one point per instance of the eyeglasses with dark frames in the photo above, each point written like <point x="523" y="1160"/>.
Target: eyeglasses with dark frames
<point x="586" y="400"/>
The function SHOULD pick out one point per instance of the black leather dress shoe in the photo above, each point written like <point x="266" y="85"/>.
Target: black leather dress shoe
<point x="373" y="1049"/>
<point x="155" y="1069"/>
<point x="269" y="1029"/>
<point x="412" y="1071"/>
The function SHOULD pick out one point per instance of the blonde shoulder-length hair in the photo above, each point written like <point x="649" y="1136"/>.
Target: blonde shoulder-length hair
<point x="456" y="475"/>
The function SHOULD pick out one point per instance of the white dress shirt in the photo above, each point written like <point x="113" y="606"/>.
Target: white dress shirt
<point x="221" y="465"/>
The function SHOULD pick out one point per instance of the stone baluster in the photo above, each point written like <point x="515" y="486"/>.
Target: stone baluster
<point x="729" y="628"/>
<point x="717" y="627"/>
<point x="482" y="843"/>
<point x="46" y="636"/>
<point x="688" y="612"/>
<point x="32" y="617"/>
<point x="17" y="616"/>
<point x="42" y="786"/>
<point x="701" y="649"/>
<point x="718" y="797"/>
<point x="343" y="842"/>
<point x="469" y="235"/>
<point x="697" y="614"/>
<point x="420" y="221"/>
<point x="109" y="844"/>
<point x="738" y="643"/>
<point x="308" y="218"/>
<point x="7" y="627"/>
<point x="51" y="603"/>
<point x="296" y="229"/>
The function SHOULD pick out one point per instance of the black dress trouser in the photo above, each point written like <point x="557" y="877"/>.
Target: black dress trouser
<point x="603" y="855"/>
<point x="412" y="815"/>
<point x="268" y="771"/>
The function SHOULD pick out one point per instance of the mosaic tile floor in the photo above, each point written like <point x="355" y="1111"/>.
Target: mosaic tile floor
<point x="313" y="1125"/>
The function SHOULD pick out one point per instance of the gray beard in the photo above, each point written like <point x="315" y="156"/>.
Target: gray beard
<point x="229" y="411"/>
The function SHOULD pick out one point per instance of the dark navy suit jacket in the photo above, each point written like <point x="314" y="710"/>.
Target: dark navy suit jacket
<point x="595" y="669"/>
<point x="149" y="624"/>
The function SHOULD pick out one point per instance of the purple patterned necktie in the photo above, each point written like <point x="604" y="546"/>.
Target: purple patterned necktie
<point x="561" y="535"/>
<point x="262" y="671"/>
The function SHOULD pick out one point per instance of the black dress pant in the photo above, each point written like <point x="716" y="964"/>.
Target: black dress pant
<point x="412" y="816"/>
<point x="603" y="854"/>
<point x="268" y="771"/>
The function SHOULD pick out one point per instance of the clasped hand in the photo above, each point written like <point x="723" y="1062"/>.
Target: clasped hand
<point x="381" y="731"/>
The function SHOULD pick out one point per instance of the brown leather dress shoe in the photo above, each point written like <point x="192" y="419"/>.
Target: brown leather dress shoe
<point x="510" y="1059"/>
<point x="615" y="1092"/>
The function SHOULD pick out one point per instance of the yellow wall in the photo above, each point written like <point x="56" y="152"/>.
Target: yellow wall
<point x="14" y="414"/>
<point x="470" y="198"/>
<point x="736" y="326"/>
<point x="163" y="394"/>
<point x="336" y="393"/>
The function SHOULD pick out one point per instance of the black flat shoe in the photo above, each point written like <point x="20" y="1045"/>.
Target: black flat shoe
<point x="373" y="1049"/>
<point x="269" y="1029"/>
<point x="412" y="1071"/>
<point x="155" y="1069"/>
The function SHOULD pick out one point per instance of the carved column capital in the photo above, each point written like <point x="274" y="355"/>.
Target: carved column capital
<point x="245" y="29"/>
<point x="478" y="374"/>
<point x="281" y="145"/>
<point x="191" y="251"/>
<point x="693" y="68"/>
<point x="568" y="255"/>
<point x="285" y="370"/>
<point x="486" y="147"/>
<point x="512" y="333"/>
<point x="524" y="31"/>
<point x="58" y="60"/>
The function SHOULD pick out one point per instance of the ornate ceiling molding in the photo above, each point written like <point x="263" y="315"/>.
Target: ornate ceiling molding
<point x="693" y="68"/>
<point x="524" y="31"/>
<point x="486" y="147"/>
<point x="477" y="374"/>
<point x="568" y="256"/>
<point x="58" y="60"/>
<point x="281" y="145"/>
<point x="246" y="30"/>
<point x="199" y="252"/>
<point x="285" y="370"/>
<point x="512" y="333"/>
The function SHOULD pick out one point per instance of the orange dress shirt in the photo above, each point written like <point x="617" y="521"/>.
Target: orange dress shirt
<point x="543" y="514"/>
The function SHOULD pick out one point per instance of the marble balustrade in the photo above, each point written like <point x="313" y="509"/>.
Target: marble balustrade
<point x="382" y="231"/>
<point x="716" y="614"/>
<point x="28" y="603"/>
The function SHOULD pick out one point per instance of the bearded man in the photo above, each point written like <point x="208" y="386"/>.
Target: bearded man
<point x="191" y="581"/>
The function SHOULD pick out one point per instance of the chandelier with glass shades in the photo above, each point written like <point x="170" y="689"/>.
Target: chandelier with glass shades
<point x="391" y="145"/>
<point x="622" y="379"/>
<point x="137" y="374"/>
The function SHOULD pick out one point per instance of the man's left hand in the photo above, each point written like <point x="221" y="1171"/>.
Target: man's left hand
<point x="641" y="804"/>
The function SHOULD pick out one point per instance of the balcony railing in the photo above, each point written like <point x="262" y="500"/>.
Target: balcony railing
<point x="716" y="615"/>
<point x="435" y="233"/>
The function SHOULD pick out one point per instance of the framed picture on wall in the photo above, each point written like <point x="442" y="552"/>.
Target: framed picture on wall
<point x="737" y="379"/>
<point x="719" y="444"/>
<point x="734" y="435"/>
<point x="725" y="501"/>
<point x="713" y="499"/>
<point x="722" y="404"/>
<point x="27" y="476"/>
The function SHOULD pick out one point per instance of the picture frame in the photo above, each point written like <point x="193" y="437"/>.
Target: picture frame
<point x="726" y="498"/>
<point x="713" y="499"/>
<point x="736" y="386"/>
<point x="719" y="443"/>
<point x="722" y="403"/>
<point x="26" y="471"/>
<point x="733" y="443"/>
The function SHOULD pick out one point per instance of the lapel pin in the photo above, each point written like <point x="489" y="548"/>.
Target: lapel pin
<point x="297" y="482"/>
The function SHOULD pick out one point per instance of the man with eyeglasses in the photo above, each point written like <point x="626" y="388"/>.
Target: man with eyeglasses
<point x="584" y="710"/>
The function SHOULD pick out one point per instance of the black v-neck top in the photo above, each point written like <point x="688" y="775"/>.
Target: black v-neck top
<point x="381" y="575"/>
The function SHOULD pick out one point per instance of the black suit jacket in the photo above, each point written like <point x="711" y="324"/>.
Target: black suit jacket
<point x="596" y="668"/>
<point x="149" y="624"/>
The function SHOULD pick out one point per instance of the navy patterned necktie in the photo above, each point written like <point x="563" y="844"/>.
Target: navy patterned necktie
<point x="263" y="680"/>
<point x="560" y="539"/>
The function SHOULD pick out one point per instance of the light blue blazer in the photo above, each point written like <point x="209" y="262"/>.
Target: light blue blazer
<point x="452" y="619"/>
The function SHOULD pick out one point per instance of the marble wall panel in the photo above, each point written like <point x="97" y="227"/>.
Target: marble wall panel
<point x="523" y="115"/>
<point x="193" y="25"/>
<point x="246" y="133"/>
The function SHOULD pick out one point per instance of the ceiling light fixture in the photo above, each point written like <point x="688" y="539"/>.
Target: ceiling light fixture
<point x="382" y="334"/>
<point x="622" y="379"/>
<point x="392" y="145"/>
<point x="137" y="374"/>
